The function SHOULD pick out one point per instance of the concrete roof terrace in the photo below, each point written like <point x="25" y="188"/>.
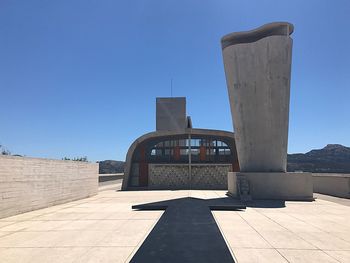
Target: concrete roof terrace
<point x="104" y="228"/>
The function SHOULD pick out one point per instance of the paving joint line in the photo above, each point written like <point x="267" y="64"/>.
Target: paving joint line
<point x="295" y="233"/>
<point x="264" y="238"/>
<point x="225" y="238"/>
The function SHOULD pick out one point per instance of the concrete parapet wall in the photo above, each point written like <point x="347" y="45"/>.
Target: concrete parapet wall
<point x="332" y="184"/>
<point x="282" y="186"/>
<point x="28" y="184"/>
<point x="110" y="177"/>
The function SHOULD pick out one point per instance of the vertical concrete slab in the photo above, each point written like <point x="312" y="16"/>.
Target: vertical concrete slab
<point x="258" y="69"/>
<point x="232" y="184"/>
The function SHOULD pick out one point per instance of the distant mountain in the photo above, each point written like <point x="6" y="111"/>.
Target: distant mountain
<point x="111" y="167"/>
<point x="334" y="158"/>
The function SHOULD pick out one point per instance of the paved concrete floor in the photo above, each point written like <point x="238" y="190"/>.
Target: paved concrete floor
<point x="103" y="228"/>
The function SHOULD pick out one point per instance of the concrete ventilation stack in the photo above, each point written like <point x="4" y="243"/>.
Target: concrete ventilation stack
<point x="258" y="72"/>
<point x="171" y="114"/>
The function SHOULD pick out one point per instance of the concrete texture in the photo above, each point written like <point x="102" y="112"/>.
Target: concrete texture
<point x="258" y="69"/>
<point x="209" y="176"/>
<point x="334" y="199"/>
<point x="171" y="114"/>
<point x="110" y="177"/>
<point x="110" y="185"/>
<point x="332" y="184"/>
<point x="31" y="183"/>
<point x="283" y="186"/>
<point x="168" y="176"/>
<point x="104" y="228"/>
<point x="232" y="184"/>
<point x="176" y="176"/>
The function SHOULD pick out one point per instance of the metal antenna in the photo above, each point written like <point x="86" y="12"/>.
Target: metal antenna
<point x="171" y="87"/>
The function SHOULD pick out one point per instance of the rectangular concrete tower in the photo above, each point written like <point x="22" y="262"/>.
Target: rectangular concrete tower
<point x="171" y="114"/>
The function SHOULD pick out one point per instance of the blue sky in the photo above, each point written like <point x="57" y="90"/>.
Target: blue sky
<point x="80" y="78"/>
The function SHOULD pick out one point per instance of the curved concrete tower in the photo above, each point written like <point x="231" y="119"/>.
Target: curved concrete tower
<point x="258" y="69"/>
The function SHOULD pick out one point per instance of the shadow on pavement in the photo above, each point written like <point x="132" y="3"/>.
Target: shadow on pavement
<point x="266" y="203"/>
<point x="186" y="232"/>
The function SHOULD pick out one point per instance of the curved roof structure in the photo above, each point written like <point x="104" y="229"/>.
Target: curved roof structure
<point x="164" y="134"/>
<point x="271" y="29"/>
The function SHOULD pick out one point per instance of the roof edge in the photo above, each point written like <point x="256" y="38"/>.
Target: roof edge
<point x="270" y="29"/>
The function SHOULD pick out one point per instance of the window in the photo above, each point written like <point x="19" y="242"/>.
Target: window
<point x="204" y="149"/>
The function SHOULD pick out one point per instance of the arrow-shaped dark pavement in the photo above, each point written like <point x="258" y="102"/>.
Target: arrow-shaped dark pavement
<point x="186" y="232"/>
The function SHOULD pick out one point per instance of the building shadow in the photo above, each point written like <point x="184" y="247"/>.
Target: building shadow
<point x="266" y="203"/>
<point x="186" y="232"/>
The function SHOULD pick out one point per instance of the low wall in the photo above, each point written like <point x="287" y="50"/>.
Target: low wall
<point x="332" y="184"/>
<point x="110" y="177"/>
<point x="210" y="176"/>
<point x="177" y="176"/>
<point x="27" y="184"/>
<point x="271" y="185"/>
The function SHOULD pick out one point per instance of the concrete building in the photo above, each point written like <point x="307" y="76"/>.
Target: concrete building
<point x="177" y="156"/>
<point x="258" y="69"/>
